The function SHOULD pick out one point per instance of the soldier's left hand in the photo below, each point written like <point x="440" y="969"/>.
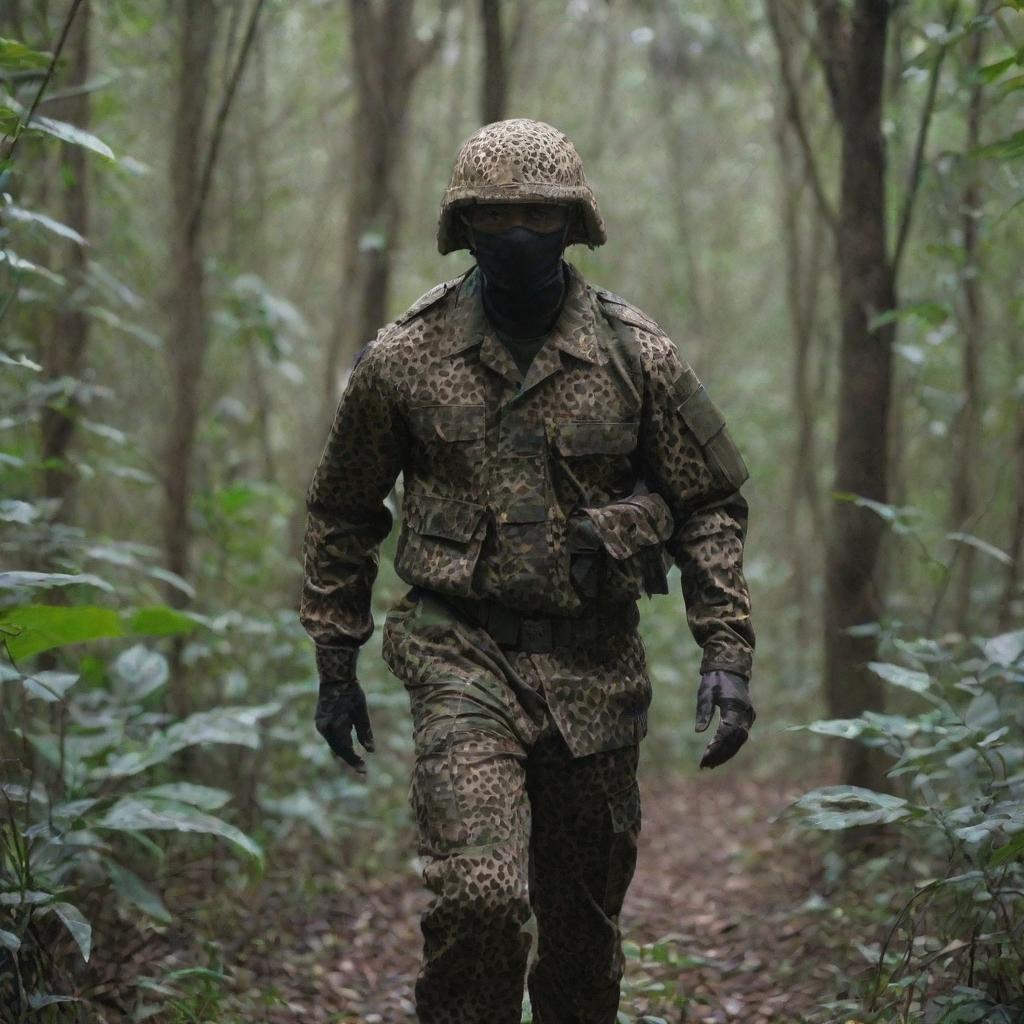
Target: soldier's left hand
<point x="730" y="694"/>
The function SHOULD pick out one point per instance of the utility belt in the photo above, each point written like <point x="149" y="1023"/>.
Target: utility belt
<point x="537" y="634"/>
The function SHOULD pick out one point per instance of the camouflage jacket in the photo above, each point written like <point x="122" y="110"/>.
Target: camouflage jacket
<point x="495" y="468"/>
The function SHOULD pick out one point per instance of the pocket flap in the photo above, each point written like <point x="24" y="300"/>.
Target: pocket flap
<point x="595" y="437"/>
<point x="434" y="516"/>
<point x="628" y="526"/>
<point x="702" y="416"/>
<point x="624" y="805"/>
<point x="448" y="422"/>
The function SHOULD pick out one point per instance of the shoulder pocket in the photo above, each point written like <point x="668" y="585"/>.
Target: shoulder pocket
<point x="706" y="422"/>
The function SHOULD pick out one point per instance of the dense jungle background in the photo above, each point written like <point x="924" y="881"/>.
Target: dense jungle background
<point x="208" y="206"/>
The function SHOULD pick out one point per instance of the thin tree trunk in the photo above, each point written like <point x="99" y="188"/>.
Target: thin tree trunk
<point x="64" y="351"/>
<point x="1015" y="570"/>
<point x="967" y="444"/>
<point x="856" y="75"/>
<point x="387" y="58"/>
<point x="806" y="517"/>
<point x="186" y="348"/>
<point x="494" y="91"/>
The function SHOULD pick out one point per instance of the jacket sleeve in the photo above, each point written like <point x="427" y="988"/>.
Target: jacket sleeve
<point x="694" y="465"/>
<point x="347" y="516"/>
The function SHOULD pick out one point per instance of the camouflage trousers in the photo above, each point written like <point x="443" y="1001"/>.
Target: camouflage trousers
<point x="509" y="823"/>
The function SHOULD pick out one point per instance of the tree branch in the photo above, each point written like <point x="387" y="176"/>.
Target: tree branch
<point x="795" y="117"/>
<point x="73" y="10"/>
<point x="917" y="164"/>
<point x="222" y="116"/>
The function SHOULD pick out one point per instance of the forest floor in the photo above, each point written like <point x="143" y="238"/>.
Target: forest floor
<point x="725" y="922"/>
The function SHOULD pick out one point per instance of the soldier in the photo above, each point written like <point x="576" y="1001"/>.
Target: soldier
<point x="558" y="455"/>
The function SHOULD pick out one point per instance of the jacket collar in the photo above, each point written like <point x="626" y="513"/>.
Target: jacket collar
<point x="577" y="332"/>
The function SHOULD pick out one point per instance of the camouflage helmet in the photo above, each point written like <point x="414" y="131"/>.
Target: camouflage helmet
<point x="519" y="161"/>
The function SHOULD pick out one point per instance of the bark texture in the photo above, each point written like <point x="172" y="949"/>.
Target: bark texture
<point x="65" y="348"/>
<point x="854" y="48"/>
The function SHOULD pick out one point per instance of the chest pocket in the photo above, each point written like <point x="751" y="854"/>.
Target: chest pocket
<point x="595" y="437"/>
<point x="452" y="436"/>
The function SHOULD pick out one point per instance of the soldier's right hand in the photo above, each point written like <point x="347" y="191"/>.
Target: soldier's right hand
<point x="341" y="705"/>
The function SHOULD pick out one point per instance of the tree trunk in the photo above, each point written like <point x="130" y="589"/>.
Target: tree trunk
<point x="803" y="269"/>
<point x="387" y="58"/>
<point x="967" y="438"/>
<point x="1015" y="570"/>
<point x="855" y="70"/>
<point x="187" y="341"/>
<point x="494" y="92"/>
<point x="64" y="350"/>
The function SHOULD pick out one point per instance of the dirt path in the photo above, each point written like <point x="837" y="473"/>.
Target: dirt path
<point x="718" y="921"/>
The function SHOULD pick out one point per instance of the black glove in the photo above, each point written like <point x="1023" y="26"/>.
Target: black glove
<point x="341" y="704"/>
<point x="729" y="693"/>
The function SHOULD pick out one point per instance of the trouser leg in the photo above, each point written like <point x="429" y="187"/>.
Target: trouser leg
<point x="586" y="821"/>
<point x="473" y="822"/>
<point x="472" y="814"/>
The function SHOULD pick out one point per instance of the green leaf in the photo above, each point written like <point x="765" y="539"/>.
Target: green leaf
<point x="15" y="262"/>
<point x="75" y="922"/>
<point x="12" y="511"/>
<point x="9" y="941"/>
<point x="45" y="580"/>
<point x="9" y="121"/>
<point x="898" y="516"/>
<point x="133" y="890"/>
<point x="232" y="500"/>
<point x="844" y="728"/>
<point x="37" y="1000"/>
<point x="976" y="542"/>
<point x="49" y="686"/>
<point x="16" y="56"/>
<point x="1005" y="649"/>
<point x="205" y="797"/>
<point x="1013" y="850"/>
<point x="160" y="620"/>
<point x="34" y="628"/>
<point x="838" y="807"/>
<point x="135" y="814"/>
<point x="990" y="72"/>
<point x="1010" y="148"/>
<point x="140" y="672"/>
<point x="918" y="682"/>
<point x="54" y="226"/>
<point x="25" y="363"/>
<point x="31" y="897"/>
<point x="934" y="314"/>
<point x="71" y="134"/>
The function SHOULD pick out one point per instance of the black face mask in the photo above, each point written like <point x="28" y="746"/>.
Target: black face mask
<point x="523" y="279"/>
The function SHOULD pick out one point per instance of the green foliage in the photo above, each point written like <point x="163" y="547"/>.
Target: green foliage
<point x="954" y="949"/>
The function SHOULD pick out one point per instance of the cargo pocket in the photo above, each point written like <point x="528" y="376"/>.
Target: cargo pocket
<point x="440" y="542"/>
<point x="435" y="805"/>
<point x="624" y="811"/>
<point x="633" y="532"/>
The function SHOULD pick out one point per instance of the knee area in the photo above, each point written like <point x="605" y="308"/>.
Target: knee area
<point x="477" y="891"/>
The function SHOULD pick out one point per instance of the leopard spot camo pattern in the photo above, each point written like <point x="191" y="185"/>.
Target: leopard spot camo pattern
<point x="524" y="787"/>
<point x="494" y="465"/>
<point x="510" y="822"/>
<point x="519" y="161"/>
